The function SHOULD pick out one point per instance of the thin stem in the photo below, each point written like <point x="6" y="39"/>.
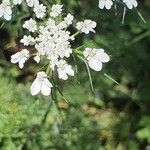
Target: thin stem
<point x="140" y="37"/>
<point x="124" y="13"/>
<point x="48" y="69"/>
<point x="140" y="15"/>
<point x="110" y="78"/>
<point x="89" y="73"/>
<point x="77" y="33"/>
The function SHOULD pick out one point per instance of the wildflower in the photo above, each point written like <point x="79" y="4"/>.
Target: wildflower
<point x="56" y="10"/>
<point x="41" y="84"/>
<point x="30" y="25"/>
<point x="86" y="26"/>
<point x="40" y="10"/>
<point x="95" y="58"/>
<point x="32" y="3"/>
<point x="5" y="10"/>
<point x="130" y="3"/>
<point x="52" y="42"/>
<point x="68" y="20"/>
<point x="105" y="3"/>
<point x="20" y="57"/>
<point x="27" y="40"/>
<point x="64" y="70"/>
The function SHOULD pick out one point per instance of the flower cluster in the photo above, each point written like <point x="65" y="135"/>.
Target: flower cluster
<point x="108" y="3"/>
<point x="7" y="5"/>
<point x="53" y="46"/>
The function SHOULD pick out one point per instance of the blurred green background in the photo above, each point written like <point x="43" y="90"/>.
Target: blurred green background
<point x="114" y="117"/>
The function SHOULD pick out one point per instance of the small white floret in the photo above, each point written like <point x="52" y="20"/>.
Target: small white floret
<point x="20" y="57"/>
<point x="130" y="3"/>
<point x="56" y="10"/>
<point x="30" y="25"/>
<point x="41" y="84"/>
<point x="105" y="4"/>
<point x="5" y="10"/>
<point x="64" y="70"/>
<point x="95" y="58"/>
<point x="86" y="26"/>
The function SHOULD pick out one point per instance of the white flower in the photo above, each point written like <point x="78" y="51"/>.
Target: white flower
<point x="130" y="3"/>
<point x="51" y="24"/>
<point x="40" y="10"/>
<point x="30" y="25"/>
<point x="64" y="70"/>
<point x="5" y="9"/>
<point x="32" y="3"/>
<point x="41" y="84"/>
<point x="27" y="40"/>
<point x="17" y="2"/>
<point x="105" y="3"/>
<point x="95" y="58"/>
<point x="86" y="26"/>
<point x="20" y="57"/>
<point x="68" y="20"/>
<point x="56" y="10"/>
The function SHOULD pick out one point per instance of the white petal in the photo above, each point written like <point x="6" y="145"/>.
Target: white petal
<point x="8" y="10"/>
<point x="21" y="65"/>
<point x="129" y="4"/>
<point x="108" y="4"/>
<point x="46" y="87"/>
<point x="135" y="3"/>
<point x="101" y="4"/>
<point x="21" y="62"/>
<point x="35" y="87"/>
<point x="15" y="58"/>
<point x="62" y="75"/>
<point x="103" y="57"/>
<point x="7" y="16"/>
<point x="69" y="71"/>
<point x="95" y="64"/>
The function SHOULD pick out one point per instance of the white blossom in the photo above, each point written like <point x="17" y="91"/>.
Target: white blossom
<point x="68" y="20"/>
<point x="52" y="42"/>
<point x="20" y="57"/>
<point x="5" y="10"/>
<point x="30" y="25"/>
<point x="50" y="24"/>
<point x="41" y="84"/>
<point x="130" y="3"/>
<point x="95" y="58"/>
<point x="56" y="10"/>
<point x="32" y="3"/>
<point x="105" y="3"/>
<point x="27" y="40"/>
<point x="86" y="26"/>
<point x="40" y="10"/>
<point x="64" y="70"/>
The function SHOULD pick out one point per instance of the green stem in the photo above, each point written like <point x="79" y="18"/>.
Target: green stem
<point x="89" y="73"/>
<point x="139" y="38"/>
<point x="77" y="33"/>
<point x="48" y="69"/>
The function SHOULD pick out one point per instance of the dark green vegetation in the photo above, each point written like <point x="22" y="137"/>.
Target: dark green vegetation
<point x="115" y="117"/>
